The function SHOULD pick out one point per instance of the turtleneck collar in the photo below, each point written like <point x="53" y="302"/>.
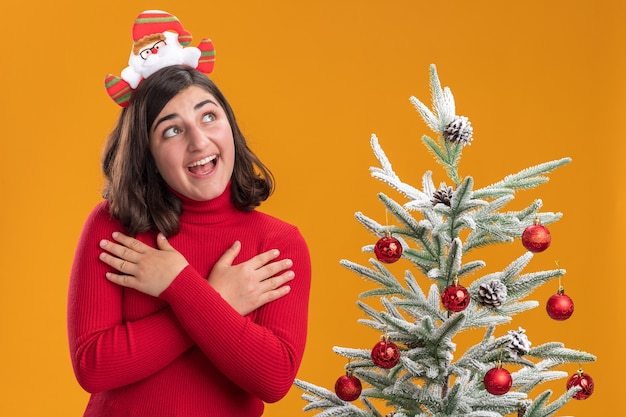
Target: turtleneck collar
<point x="209" y="211"/>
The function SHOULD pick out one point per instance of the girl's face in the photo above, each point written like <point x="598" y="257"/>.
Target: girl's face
<point x="192" y="144"/>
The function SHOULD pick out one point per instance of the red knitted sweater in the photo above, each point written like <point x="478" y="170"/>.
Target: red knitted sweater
<point x="186" y="353"/>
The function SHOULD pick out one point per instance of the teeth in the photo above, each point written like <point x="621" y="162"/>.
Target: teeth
<point x="203" y="161"/>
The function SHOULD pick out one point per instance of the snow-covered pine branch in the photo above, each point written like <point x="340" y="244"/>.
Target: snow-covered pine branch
<point x="525" y="179"/>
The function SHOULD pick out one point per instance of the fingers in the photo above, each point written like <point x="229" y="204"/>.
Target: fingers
<point x="259" y="262"/>
<point x="264" y="269"/>
<point x="140" y="266"/>
<point x="273" y="295"/>
<point x="130" y="243"/>
<point x="123" y="280"/>
<point x="127" y="248"/>
<point x="163" y="243"/>
<point x="267" y="291"/>
<point x="278" y="281"/>
<point x="122" y="255"/>
<point x="274" y="268"/>
<point x="231" y="253"/>
<point x="122" y="265"/>
<point x="262" y="259"/>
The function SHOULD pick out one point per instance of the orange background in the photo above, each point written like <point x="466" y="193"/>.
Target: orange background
<point x="310" y="81"/>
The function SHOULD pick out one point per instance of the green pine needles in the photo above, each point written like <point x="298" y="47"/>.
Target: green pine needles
<point x="436" y="228"/>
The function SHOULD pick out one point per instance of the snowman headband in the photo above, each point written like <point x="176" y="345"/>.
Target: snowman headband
<point x="159" y="40"/>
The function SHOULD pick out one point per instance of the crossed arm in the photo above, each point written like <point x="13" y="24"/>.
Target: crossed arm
<point x="108" y="352"/>
<point x="245" y="286"/>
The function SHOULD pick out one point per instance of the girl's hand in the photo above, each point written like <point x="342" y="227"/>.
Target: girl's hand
<point x="140" y="266"/>
<point x="253" y="283"/>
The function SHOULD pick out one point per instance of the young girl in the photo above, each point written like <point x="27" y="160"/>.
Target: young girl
<point x="184" y="300"/>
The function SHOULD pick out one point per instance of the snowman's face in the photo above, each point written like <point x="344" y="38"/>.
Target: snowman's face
<point x="157" y="55"/>
<point x="153" y="49"/>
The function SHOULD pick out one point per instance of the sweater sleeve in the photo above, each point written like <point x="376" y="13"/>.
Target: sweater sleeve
<point x="260" y="352"/>
<point x="106" y="351"/>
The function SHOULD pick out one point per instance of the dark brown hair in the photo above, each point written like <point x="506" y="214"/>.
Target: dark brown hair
<point x="138" y="196"/>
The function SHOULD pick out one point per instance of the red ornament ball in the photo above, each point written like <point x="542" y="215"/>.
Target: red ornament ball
<point x="385" y="354"/>
<point x="455" y="298"/>
<point x="584" y="381"/>
<point x="536" y="238"/>
<point x="388" y="249"/>
<point x="498" y="381"/>
<point x="348" y="387"/>
<point x="560" y="306"/>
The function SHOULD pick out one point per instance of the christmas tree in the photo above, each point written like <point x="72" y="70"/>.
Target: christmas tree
<point x="414" y="370"/>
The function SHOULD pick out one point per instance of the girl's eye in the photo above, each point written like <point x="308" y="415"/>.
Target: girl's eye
<point x="171" y="132"/>
<point x="209" y="117"/>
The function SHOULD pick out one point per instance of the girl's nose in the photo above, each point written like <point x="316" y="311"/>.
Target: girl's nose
<point x="198" y="139"/>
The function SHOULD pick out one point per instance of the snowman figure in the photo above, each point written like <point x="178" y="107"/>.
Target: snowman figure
<point x="155" y="52"/>
<point x="159" y="40"/>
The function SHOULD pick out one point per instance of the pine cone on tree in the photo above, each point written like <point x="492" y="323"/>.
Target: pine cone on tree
<point x="524" y="404"/>
<point x="492" y="294"/>
<point x="459" y="130"/>
<point x="443" y="195"/>
<point x="520" y="345"/>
